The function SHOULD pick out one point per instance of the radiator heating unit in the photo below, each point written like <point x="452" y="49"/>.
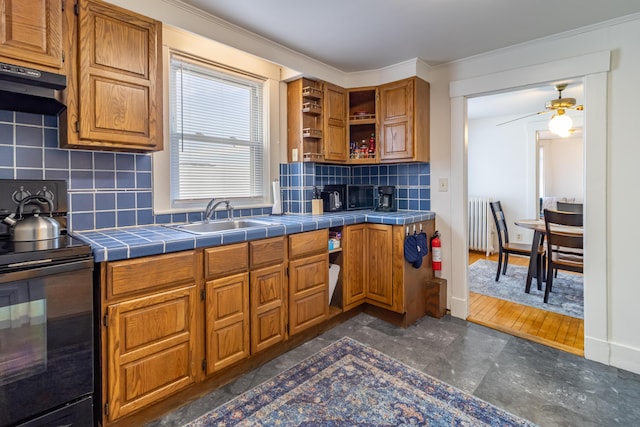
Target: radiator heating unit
<point x="480" y="225"/>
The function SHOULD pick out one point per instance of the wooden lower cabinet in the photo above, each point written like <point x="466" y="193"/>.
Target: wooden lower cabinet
<point x="368" y="255"/>
<point x="227" y="321"/>
<point x="379" y="257"/>
<point x="354" y="243"/>
<point x="151" y="344"/>
<point x="166" y="314"/>
<point x="308" y="280"/>
<point x="268" y="307"/>
<point x="308" y="292"/>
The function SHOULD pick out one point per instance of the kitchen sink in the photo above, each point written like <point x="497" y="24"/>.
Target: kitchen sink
<point x="215" y="226"/>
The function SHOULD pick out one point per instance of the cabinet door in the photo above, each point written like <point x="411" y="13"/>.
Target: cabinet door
<point x="151" y="344"/>
<point x="268" y="299"/>
<point x="227" y="321"/>
<point x="335" y="123"/>
<point x="355" y="264"/>
<point x="31" y="32"/>
<point x="308" y="292"/>
<point x="120" y="68"/>
<point x="380" y="259"/>
<point x="396" y="121"/>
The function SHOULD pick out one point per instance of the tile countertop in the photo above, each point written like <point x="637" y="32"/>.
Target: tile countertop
<point x="133" y="242"/>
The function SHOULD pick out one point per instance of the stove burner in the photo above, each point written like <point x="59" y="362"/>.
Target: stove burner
<point x="23" y="255"/>
<point x="13" y="192"/>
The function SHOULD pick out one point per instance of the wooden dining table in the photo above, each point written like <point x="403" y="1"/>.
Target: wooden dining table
<point x="539" y="230"/>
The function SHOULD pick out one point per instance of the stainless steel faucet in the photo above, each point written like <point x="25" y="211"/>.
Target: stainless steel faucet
<point x="212" y="205"/>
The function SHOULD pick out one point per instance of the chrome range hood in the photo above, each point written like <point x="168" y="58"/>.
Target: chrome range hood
<point x="30" y="90"/>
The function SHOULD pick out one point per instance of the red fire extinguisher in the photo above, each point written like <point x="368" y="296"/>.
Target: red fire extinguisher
<point x="436" y="252"/>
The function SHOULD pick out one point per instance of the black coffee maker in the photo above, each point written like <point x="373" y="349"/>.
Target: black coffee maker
<point x="386" y="198"/>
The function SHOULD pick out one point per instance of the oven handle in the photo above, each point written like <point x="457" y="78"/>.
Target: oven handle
<point x="48" y="270"/>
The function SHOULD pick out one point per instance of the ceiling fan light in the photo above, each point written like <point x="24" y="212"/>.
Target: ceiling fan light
<point x="561" y="124"/>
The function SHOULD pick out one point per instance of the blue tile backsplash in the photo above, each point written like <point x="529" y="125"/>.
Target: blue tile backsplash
<point x="412" y="182"/>
<point x="108" y="190"/>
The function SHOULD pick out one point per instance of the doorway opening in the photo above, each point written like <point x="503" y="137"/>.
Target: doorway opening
<point x="513" y="158"/>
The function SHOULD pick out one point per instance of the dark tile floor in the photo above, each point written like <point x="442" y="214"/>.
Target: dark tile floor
<point x="543" y="385"/>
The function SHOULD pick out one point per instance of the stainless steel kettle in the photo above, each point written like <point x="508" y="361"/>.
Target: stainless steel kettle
<point x="36" y="227"/>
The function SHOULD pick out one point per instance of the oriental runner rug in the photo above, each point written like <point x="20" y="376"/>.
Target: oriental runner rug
<point x="351" y="384"/>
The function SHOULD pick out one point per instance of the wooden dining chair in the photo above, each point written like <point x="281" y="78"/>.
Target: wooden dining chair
<point x="564" y="251"/>
<point x="506" y="248"/>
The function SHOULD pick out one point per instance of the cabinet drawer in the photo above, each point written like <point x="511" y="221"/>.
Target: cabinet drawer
<point x="308" y="243"/>
<point x="144" y="274"/>
<point x="266" y="252"/>
<point x="226" y="260"/>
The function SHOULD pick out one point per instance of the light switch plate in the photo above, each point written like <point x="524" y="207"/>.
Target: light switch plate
<point x="443" y="185"/>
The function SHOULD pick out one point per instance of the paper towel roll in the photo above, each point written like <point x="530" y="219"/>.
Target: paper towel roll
<point x="277" y="202"/>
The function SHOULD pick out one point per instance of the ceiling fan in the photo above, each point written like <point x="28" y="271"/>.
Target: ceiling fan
<point x="557" y="106"/>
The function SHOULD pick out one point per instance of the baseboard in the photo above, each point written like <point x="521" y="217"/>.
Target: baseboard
<point x="597" y="350"/>
<point x="625" y="357"/>
<point x="617" y="355"/>
<point x="459" y="307"/>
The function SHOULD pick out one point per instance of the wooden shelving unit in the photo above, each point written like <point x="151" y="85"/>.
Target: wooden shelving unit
<point x="305" y="120"/>
<point x="363" y="123"/>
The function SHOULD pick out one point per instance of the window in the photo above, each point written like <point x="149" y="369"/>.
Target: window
<point x="217" y="134"/>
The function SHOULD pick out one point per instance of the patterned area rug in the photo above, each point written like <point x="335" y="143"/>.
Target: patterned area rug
<point x="565" y="298"/>
<point x="350" y="384"/>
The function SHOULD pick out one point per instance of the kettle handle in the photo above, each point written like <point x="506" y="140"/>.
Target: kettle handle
<point x="31" y="198"/>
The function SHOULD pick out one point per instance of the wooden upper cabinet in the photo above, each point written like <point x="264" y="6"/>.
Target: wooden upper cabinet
<point x="31" y="33"/>
<point x="335" y="123"/>
<point x="404" y="121"/>
<point x="305" y="120"/>
<point x="116" y="102"/>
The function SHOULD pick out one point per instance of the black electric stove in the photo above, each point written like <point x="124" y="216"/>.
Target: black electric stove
<point x="47" y="341"/>
<point x="24" y="255"/>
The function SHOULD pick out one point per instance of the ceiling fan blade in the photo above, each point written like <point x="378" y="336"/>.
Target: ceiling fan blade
<point x="523" y="117"/>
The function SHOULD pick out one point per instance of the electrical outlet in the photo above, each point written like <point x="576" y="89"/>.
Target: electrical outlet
<point x="519" y="237"/>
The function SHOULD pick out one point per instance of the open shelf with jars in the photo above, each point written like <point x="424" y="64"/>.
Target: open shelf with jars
<point x="362" y="126"/>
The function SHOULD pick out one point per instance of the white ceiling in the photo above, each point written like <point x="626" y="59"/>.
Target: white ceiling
<point x="523" y="102"/>
<point x="362" y="35"/>
<point x="359" y="35"/>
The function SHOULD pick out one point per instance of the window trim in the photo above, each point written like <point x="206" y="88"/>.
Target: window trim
<point x="211" y="52"/>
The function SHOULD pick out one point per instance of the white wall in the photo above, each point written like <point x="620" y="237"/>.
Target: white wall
<point x="563" y="167"/>
<point x="497" y="165"/>
<point x="501" y="165"/>
<point x="611" y="299"/>
<point x="611" y="159"/>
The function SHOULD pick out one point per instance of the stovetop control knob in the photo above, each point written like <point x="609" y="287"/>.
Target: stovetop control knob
<point x="46" y="193"/>
<point x="20" y="195"/>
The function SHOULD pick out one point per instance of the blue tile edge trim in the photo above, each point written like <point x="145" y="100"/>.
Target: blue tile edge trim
<point x="137" y="241"/>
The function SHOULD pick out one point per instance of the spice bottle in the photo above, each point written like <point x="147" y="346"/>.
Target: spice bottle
<point x="372" y="143"/>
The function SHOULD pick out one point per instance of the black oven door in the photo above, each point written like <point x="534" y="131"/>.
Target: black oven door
<point x="46" y="341"/>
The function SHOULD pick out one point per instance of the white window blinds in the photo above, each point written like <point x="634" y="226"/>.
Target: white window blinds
<point x="217" y="133"/>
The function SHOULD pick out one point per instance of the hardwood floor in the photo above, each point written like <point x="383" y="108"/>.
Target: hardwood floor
<point x="544" y="327"/>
